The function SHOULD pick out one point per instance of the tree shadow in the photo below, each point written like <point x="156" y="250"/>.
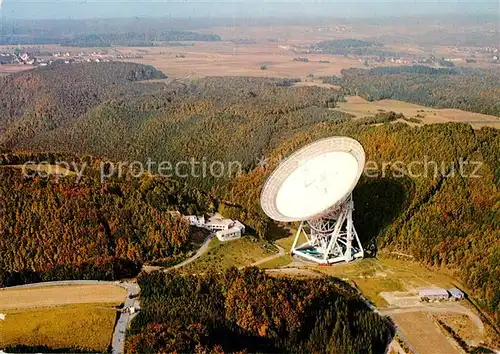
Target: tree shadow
<point x="378" y="202"/>
<point x="276" y="231"/>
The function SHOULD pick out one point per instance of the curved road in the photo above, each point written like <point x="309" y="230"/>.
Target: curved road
<point x="198" y="254"/>
<point x="117" y="343"/>
<point x="122" y="324"/>
<point x="204" y="248"/>
<point x="281" y="252"/>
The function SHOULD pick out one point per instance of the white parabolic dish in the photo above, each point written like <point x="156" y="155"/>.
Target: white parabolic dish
<point x="313" y="180"/>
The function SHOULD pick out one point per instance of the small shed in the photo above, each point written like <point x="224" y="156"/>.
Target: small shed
<point x="456" y="294"/>
<point x="436" y="294"/>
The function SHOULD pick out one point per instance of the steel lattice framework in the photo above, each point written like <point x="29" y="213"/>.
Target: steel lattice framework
<point x="330" y="238"/>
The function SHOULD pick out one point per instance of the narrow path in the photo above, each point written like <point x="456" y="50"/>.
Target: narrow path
<point x="281" y="252"/>
<point x="198" y="254"/>
<point x="121" y="326"/>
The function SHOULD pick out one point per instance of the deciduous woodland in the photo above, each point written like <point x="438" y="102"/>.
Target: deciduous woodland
<point x="67" y="230"/>
<point x="432" y="210"/>
<point x="247" y="311"/>
<point x="467" y="89"/>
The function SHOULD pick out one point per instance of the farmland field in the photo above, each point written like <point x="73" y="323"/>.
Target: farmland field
<point x="83" y="326"/>
<point x="229" y="59"/>
<point x="13" y="68"/>
<point x="360" y="107"/>
<point x="423" y="334"/>
<point x="18" y="298"/>
<point x="60" y="317"/>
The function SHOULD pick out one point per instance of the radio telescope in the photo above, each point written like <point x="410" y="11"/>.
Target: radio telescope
<point x="314" y="186"/>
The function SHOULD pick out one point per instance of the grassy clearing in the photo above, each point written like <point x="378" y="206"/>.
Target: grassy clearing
<point x="463" y="327"/>
<point x="84" y="326"/>
<point x="238" y="253"/>
<point x="277" y="262"/>
<point x="19" y="298"/>
<point x="423" y="334"/>
<point x="373" y="276"/>
<point x="360" y="107"/>
<point x="286" y="244"/>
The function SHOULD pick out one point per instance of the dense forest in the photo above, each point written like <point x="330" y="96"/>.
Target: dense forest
<point x="248" y="311"/>
<point x="356" y="47"/>
<point x="135" y="39"/>
<point x="65" y="229"/>
<point x="148" y="38"/>
<point x="442" y="217"/>
<point x="467" y="89"/>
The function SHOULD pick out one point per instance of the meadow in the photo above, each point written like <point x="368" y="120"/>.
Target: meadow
<point x="237" y="253"/>
<point x="359" y="107"/>
<point x="60" y="317"/>
<point x="86" y="327"/>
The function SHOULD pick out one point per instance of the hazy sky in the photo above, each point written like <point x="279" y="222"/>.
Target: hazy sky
<point x="78" y="9"/>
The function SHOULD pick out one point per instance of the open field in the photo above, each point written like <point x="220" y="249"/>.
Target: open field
<point x="286" y="244"/>
<point x="229" y="59"/>
<point x="238" y="253"/>
<point x="423" y="334"/>
<point x="317" y="83"/>
<point x="23" y="298"/>
<point x="463" y="326"/>
<point x="13" y="68"/>
<point x="360" y="107"/>
<point x="85" y="326"/>
<point x="374" y="276"/>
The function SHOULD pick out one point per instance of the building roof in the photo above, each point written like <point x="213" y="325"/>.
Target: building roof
<point x="238" y="224"/>
<point x="6" y="59"/>
<point x="227" y="231"/>
<point x="433" y="292"/>
<point x="218" y="220"/>
<point x="456" y="292"/>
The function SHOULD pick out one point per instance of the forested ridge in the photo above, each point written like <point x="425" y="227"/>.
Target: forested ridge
<point x="66" y="229"/>
<point x="248" y="311"/>
<point x="146" y="38"/>
<point x="355" y="47"/>
<point x="442" y="219"/>
<point x="439" y="217"/>
<point x="472" y="90"/>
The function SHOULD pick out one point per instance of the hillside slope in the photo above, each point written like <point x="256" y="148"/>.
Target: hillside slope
<point x="419" y="202"/>
<point x="248" y="311"/>
<point x="64" y="228"/>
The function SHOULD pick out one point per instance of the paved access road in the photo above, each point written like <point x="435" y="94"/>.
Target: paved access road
<point x="198" y="254"/>
<point x="118" y="340"/>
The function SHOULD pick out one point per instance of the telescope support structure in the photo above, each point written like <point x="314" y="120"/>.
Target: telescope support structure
<point x="330" y="238"/>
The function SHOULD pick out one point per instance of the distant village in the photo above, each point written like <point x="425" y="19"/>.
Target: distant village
<point x="474" y="54"/>
<point x="44" y="58"/>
